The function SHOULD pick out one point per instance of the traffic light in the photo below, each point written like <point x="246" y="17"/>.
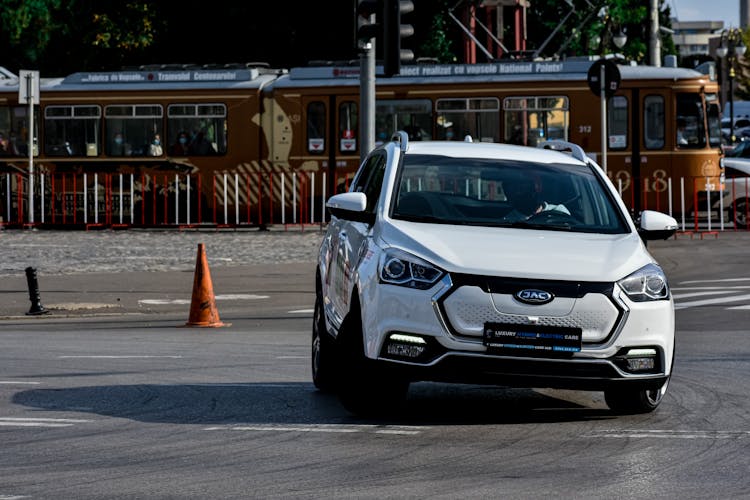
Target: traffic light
<point x="366" y="28"/>
<point x="393" y="32"/>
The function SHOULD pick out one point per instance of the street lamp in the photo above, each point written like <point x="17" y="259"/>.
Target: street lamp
<point x="620" y="39"/>
<point x="731" y="48"/>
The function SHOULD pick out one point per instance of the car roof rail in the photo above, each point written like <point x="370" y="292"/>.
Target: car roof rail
<point x="564" y="146"/>
<point x="402" y="138"/>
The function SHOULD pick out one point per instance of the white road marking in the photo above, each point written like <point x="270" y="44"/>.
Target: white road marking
<point x="739" y="308"/>
<point x="683" y="288"/>
<point x="240" y="384"/>
<point x="164" y="302"/>
<point x="725" y="280"/>
<point x="13" y="497"/>
<point x="708" y="302"/>
<point x="668" y="434"/>
<point x="292" y="357"/>
<point x="302" y="311"/>
<point x="240" y="296"/>
<point x="234" y="296"/>
<point x="102" y="356"/>
<point x="678" y="296"/>
<point x="400" y="430"/>
<point x="39" y="422"/>
<point x="17" y="382"/>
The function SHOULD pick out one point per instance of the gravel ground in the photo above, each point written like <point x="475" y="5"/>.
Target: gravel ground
<point x="79" y="252"/>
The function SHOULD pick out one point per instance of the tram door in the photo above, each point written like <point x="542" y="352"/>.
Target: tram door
<point x="332" y="137"/>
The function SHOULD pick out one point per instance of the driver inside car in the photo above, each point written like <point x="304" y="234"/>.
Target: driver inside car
<point x="526" y="201"/>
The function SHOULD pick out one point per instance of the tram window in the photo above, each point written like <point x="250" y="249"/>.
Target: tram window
<point x="414" y="116"/>
<point x="72" y="130"/>
<point x="530" y="120"/>
<point x="714" y="120"/>
<point x="653" y="120"/>
<point x="133" y="129"/>
<point x="477" y="117"/>
<point x="197" y="129"/>
<point x="316" y="127"/>
<point x="690" y="131"/>
<point x="14" y="127"/>
<point x="617" y="122"/>
<point x="348" y="123"/>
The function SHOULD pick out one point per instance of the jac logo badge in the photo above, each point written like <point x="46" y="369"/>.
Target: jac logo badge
<point x="534" y="297"/>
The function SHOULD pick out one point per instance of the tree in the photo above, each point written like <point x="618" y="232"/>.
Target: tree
<point x="26" y="28"/>
<point x="75" y="35"/>
<point x="591" y="25"/>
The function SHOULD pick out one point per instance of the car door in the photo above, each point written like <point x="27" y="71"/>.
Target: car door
<point x="349" y="239"/>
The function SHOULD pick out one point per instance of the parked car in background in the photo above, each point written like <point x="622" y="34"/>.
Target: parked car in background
<point x="741" y="150"/>
<point x="736" y="194"/>
<point x="741" y="128"/>
<point x="490" y="264"/>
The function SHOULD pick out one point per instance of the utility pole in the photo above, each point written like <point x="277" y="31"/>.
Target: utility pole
<point x="654" y="41"/>
<point x="367" y="30"/>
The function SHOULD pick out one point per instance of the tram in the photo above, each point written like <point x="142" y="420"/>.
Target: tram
<point x="521" y="103"/>
<point x="253" y="145"/>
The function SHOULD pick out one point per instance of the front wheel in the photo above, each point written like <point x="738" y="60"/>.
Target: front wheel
<point x="634" y="401"/>
<point x="324" y="359"/>
<point x="365" y="387"/>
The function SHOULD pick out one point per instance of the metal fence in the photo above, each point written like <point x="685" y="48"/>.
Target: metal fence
<point x="260" y="199"/>
<point x="91" y="200"/>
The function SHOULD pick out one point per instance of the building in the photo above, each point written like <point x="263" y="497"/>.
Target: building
<point x="691" y="37"/>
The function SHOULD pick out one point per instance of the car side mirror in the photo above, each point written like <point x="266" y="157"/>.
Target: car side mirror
<point x="350" y="206"/>
<point x="656" y="225"/>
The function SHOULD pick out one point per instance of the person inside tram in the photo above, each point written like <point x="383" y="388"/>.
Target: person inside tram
<point x="4" y="145"/>
<point x="516" y="137"/>
<point x="119" y="146"/>
<point x="155" y="148"/>
<point x="681" y="134"/>
<point x="180" y="146"/>
<point x="200" y="146"/>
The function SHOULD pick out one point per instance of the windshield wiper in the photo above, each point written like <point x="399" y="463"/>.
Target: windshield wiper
<point x="420" y="218"/>
<point x="431" y="219"/>
<point x="550" y="227"/>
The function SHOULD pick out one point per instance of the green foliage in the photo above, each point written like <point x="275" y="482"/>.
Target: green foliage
<point x="437" y="44"/>
<point x="590" y="29"/>
<point x="27" y="26"/>
<point x="129" y="26"/>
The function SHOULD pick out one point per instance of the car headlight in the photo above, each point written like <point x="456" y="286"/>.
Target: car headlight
<point x="647" y="283"/>
<point x="402" y="268"/>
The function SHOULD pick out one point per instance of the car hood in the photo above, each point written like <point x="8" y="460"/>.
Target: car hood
<point x="521" y="253"/>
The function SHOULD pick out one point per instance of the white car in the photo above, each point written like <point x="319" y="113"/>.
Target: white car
<point x="491" y="264"/>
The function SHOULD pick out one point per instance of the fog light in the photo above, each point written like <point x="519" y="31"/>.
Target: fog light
<point x="406" y="346"/>
<point x="641" y="360"/>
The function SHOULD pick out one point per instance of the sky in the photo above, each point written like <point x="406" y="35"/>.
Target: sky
<point x="707" y="10"/>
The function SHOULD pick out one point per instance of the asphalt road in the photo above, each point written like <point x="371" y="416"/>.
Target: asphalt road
<point x="126" y="402"/>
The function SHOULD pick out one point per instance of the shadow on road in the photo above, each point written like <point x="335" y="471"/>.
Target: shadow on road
<point x="301" y="403"/>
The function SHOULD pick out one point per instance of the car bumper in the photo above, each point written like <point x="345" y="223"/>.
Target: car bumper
<point x="450" y="353"/>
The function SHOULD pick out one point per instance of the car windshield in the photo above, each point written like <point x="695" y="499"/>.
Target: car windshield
<point x="504" y="193"/>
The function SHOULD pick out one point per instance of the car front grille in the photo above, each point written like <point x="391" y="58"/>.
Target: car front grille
<point x="468" y="306"/>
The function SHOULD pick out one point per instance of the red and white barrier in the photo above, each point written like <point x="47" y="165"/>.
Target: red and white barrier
<point x="261" y="199"/>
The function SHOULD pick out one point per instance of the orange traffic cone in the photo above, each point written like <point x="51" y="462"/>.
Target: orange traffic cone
<point x="203" y="310"/>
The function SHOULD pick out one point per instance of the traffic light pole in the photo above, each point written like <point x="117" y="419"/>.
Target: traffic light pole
<point x="367" y="98"/>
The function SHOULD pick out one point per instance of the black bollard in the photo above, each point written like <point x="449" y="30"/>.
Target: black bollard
<point x="36" y="300"/>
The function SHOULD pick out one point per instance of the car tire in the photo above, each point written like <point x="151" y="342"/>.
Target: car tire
<point x="740" y="211"/>
<point x="634" y="401"/>
<point x="323" y="357"/>
<point x="365" y="388"/>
